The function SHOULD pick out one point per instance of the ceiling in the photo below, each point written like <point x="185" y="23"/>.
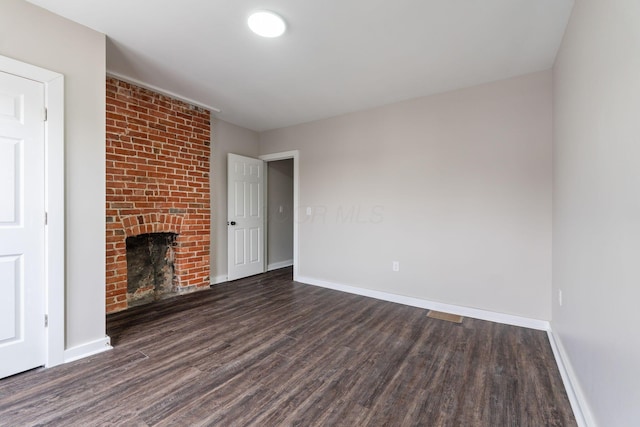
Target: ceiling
<point x="337" y="56"/>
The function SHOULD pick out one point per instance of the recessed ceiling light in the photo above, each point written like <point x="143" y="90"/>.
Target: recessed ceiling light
<point x="266" y="24"/>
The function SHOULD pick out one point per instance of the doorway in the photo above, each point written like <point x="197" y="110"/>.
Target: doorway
<point x="279" y="200"/>
<point x="294" y="157"/>
<point x="247" y="240"/>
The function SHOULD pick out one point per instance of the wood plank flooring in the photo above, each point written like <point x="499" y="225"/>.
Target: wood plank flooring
<point x="267" y="351"/>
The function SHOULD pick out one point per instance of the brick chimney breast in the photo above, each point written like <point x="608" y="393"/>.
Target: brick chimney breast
<point x="157" y="182"/>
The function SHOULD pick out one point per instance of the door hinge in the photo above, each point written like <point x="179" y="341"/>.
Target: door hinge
<point x="46" y="320"/>
<point x="44" y="114"/>
<point x="46" y="218"/>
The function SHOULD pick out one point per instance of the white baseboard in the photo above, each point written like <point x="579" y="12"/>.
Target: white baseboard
<point x="219" y="279"/>
<point x="579" y="404"/>
<point x="281" y="264"/>
<point x="475" y="313"/>
<point x="89" y="349"/>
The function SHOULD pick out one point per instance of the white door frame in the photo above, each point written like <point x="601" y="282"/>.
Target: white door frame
<point x="54" y="202"/>
<point x="294" y="154"/>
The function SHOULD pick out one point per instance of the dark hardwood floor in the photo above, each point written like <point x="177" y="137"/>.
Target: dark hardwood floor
<point x="267" y="351"/>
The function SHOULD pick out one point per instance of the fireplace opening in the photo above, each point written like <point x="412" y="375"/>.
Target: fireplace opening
<point x="150" y="267"/>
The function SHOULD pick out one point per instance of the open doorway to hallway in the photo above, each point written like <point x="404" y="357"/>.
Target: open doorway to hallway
<point x="280" y="213"/>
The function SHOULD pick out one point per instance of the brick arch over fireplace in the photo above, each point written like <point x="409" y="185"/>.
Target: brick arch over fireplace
<point x="157" y="182"/>
<point x="135" y="225"/>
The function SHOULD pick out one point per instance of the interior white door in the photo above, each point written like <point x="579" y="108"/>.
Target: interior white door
<point x="245" y="216"/>
<point x="22" y="222"/>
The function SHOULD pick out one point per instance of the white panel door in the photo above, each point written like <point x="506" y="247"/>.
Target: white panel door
<point x="22" y="290"/>
<point x="245" y="216"/>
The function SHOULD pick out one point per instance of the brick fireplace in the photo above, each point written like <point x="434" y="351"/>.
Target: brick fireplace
<point x="157" y="184"/>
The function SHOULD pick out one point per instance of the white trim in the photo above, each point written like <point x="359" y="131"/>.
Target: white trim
<point x="88" y="349"/>
<point x="491" y="316"/>
<point x="54" y="202"/>
<point x="281" y="264"/>
<point x="581" y="409"/>
<point x="162" y="91"/>
<point x="295" y="155"/>
<point x="219" y="279"/>
<point x="265" y="217"/>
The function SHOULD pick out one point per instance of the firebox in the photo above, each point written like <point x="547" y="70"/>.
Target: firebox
<point x="150" y="267"/>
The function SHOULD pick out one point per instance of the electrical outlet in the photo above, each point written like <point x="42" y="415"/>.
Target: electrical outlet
<point x="395" y="266"/>
<point x="309" y="211"/>
<point x="560" y="297"/>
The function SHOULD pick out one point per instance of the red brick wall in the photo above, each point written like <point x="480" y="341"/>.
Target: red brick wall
<point x="157" y="181"/>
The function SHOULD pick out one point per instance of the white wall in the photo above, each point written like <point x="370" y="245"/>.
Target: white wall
<point x="225" y="138"/>
<point x="35" y="36"/>
<point x="457" y="187"/>
<point x="596" y="242"/>
<point x="280" y="224"/>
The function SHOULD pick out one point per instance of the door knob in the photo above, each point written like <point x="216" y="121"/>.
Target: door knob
<point x="231" y="223"/>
